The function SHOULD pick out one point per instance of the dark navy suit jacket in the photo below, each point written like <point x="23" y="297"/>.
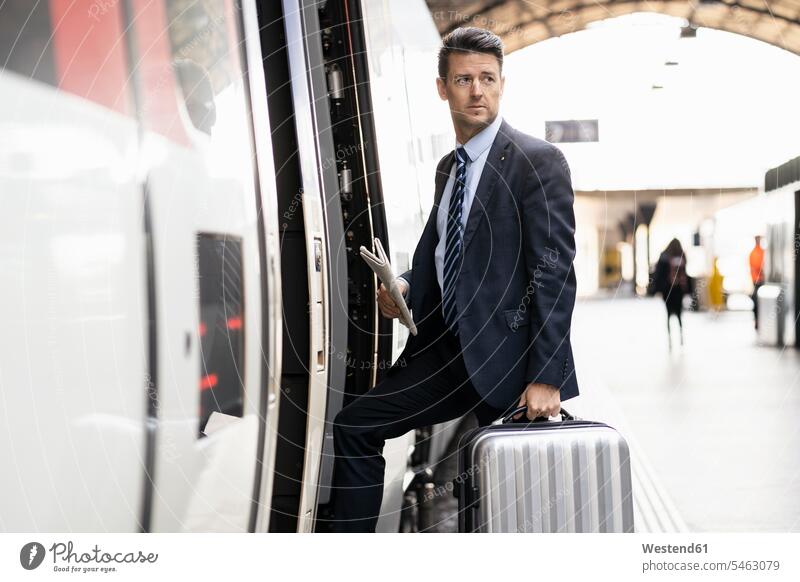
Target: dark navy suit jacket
<point x="516" y="288"/>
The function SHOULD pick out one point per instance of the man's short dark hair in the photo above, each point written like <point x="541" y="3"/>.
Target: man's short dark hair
<point x="468" y="39"/>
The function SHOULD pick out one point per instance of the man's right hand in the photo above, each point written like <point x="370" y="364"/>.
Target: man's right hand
<point x="386" y="304"/>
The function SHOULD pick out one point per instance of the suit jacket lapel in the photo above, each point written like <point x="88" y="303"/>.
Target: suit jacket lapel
<point x="491" y="171"/>
<point x="429" y="240"/>
<point x="442" y="173"/>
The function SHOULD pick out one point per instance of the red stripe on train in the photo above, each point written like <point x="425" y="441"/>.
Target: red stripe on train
<point x="90" y="53"/>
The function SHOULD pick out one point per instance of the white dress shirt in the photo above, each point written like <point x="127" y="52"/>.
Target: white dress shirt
<point x="477" y="149"/>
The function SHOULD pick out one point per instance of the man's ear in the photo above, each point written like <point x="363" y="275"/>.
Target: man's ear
<point x="502" y="85"/>
<point x="440" y="86"/>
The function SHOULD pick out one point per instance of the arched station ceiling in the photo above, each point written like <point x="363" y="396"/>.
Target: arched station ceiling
<point x="524" y="22"/>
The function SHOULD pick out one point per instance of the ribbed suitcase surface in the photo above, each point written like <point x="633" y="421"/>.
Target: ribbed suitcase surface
<point x="569" y="476"/>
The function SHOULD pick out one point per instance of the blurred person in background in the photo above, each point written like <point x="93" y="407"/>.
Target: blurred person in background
<point x="670" y="279"/>
<point x="716" y="295"/>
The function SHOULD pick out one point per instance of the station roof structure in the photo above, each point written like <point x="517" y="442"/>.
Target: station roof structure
<point x="521" y="23"/>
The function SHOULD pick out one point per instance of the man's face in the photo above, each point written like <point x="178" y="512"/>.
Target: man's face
<point x="473" y="89"/>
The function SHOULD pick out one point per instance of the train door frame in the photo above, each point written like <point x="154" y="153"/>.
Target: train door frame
<point x="272" y="312"/>
<point x="349" y="112"/>
<point x="327" y="149"/>
<point x="321" y="229"/>
<point x="307" y="189"/>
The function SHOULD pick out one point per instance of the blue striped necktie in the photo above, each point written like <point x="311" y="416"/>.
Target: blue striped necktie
<point x="452" y="248"/>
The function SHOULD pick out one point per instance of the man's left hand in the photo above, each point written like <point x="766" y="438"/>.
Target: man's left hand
<point x="541" y="400"/>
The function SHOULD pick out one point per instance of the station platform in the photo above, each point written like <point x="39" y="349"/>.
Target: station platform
<point x="712" y="426"/>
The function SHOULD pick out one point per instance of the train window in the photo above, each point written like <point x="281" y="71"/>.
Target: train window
<point x="198" y="33"/>
<point x="198" y="94"/>
<point x="25" y="46"/>
<point x="219" y="265"/>
<point x="61" y="44"/>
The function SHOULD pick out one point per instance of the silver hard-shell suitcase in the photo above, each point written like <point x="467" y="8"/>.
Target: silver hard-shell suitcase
<point x="550" y="476"/>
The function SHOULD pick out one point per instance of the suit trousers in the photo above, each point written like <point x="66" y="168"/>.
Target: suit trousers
<point x="432" y="387"/>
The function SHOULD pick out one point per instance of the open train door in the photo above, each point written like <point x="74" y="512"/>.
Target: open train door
<point x="313" y="269"/>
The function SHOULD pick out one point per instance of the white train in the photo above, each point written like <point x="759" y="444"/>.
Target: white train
<point x="185" y="187"/>
<point x="779" y="313"/>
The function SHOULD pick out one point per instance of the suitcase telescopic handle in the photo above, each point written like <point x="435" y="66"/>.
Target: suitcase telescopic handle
<point x="564" y="415"/>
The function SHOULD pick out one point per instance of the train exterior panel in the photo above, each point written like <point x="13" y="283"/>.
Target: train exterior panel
<point x="176" y="255"/>
<point x="782" y="260"/>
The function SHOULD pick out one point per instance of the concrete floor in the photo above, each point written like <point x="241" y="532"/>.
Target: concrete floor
<point x="713" y="426"/>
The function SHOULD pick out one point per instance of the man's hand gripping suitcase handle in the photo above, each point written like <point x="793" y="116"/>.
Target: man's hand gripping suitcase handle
<point x="506" y="419"/>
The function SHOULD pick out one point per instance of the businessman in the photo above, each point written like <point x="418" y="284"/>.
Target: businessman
<point x="491" y="287"/>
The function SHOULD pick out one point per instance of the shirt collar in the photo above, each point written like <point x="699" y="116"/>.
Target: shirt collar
<point x="482" y="140"/>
